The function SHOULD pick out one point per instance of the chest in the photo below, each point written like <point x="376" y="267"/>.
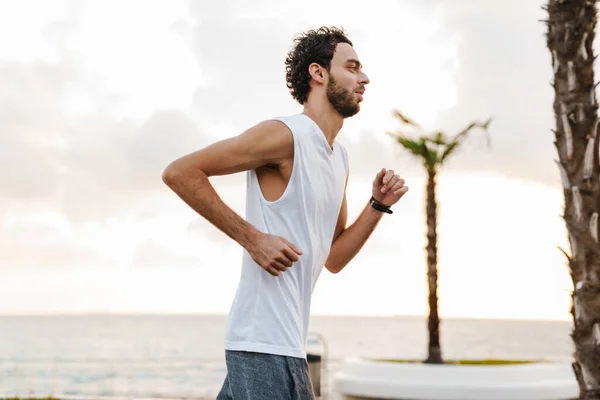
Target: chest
<point x="323" y="184"/>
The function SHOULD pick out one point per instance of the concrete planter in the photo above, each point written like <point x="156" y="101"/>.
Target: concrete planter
<point x="363" y="379"/>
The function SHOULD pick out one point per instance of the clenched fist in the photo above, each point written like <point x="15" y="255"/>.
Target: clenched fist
<point x="274" y="254"/>
<point x="388" y="187"/>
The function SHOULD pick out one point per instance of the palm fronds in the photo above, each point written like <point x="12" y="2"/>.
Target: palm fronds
<point x="434" y="149"/>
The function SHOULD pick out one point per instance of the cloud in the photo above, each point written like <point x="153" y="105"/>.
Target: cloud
<point x="61" y="141"/>
<point x="44" y="239"/>
<point x="243" y="63"/>
<point x="155" y="254"/>
<point x="504" y="73"/>
<point x="89" y="163"/>
<point x="67" y="151"/>
<point x="29" y="127"/>
<point x="111" y="163"/>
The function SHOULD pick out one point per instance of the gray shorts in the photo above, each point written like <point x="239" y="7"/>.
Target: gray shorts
<point x="259" y="376"/>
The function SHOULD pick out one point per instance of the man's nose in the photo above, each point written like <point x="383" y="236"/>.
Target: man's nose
<point x="365" y="79"/>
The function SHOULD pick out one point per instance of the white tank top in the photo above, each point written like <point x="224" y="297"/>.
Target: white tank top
<point x="270" y="314"/>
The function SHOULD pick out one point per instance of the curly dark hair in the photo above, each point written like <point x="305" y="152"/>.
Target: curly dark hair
<point x="313" y="46"/>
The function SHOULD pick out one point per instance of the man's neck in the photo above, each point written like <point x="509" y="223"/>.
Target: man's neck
<point x="329" y="120"/>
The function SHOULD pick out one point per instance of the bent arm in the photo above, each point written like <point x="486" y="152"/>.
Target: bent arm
<point x="266" y="143"/>
<point x="347" y="242"/>
<point x="352" y="239"/>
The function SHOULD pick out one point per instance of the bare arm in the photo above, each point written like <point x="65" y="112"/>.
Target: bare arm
<point x="269" y="142"/>
<point x="348" y="241"/>
<point x="388" y="188"/>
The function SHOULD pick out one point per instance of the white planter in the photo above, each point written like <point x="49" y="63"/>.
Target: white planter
<point x="362" y="379"/>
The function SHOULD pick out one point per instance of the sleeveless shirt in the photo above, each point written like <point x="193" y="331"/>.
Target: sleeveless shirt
<point x="270" y="314"/>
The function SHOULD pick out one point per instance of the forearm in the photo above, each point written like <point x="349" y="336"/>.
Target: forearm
<point x="196" y="191"/>
<point x="352" y="239"/>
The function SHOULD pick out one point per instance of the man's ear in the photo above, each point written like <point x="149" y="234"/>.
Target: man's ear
<point x="317" y="72"/>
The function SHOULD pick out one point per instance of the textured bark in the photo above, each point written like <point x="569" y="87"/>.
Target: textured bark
<point x="570" y="36"/>
<point x="433" y="321"/>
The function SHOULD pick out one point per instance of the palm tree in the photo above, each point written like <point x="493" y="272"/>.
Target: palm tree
<point x="570" y="37"/>
<point x="433" y="150"/>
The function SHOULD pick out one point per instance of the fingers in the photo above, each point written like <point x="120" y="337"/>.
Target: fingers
<point x="393" y="183"/>
<point x="401" y="191"/>
<point x="292" y="247"/>
<point x="389" y="174"/>
<point x="279" y="266"/>
<point x="286" y="262"/>
<point x="278" y="256"/>
<point x="291" y="255"/>
<point x="397" y="184"/>
<point x="379" y="177"/>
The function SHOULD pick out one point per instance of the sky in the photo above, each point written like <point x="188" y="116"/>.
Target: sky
<point x="97" y="97"/>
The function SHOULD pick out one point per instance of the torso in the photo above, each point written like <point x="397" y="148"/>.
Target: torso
<point x="299" y="198"/>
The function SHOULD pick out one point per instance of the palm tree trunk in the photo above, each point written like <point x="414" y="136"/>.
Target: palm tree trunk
<point x="570" y="38"/>
<point x="434" y="350"/>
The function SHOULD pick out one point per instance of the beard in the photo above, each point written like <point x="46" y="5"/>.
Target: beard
<point x="341" y="99"/>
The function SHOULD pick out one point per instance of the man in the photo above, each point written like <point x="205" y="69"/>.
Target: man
<point x="296" y="215"/>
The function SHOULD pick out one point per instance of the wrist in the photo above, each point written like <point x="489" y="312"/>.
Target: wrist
<point x="250" y="237"/>
<point x="379" y="207"/>
<point x="373" y="214"/>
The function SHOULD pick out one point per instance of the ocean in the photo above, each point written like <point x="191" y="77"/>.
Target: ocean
<point x="183" y="357"/>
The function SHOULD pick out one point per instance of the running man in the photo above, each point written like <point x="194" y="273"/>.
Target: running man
<point x="296" y="215"/>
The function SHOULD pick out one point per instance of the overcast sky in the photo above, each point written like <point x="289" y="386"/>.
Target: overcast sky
<point x="97" y="97"/>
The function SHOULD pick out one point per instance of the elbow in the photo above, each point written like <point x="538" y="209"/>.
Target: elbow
<point x="170" y="175"/>
<point x="333" y="268"/>
<point x="177" y="175"/>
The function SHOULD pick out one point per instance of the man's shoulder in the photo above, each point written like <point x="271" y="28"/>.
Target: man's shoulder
<point x="288" y="119"/>
<point x="296" y="123"/>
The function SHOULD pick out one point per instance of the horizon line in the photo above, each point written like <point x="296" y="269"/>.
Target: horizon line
<point x="222" y="314"/>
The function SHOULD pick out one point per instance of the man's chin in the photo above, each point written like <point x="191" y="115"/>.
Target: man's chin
<point x="347" y="112"/>
<point x="353" y="114"/>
